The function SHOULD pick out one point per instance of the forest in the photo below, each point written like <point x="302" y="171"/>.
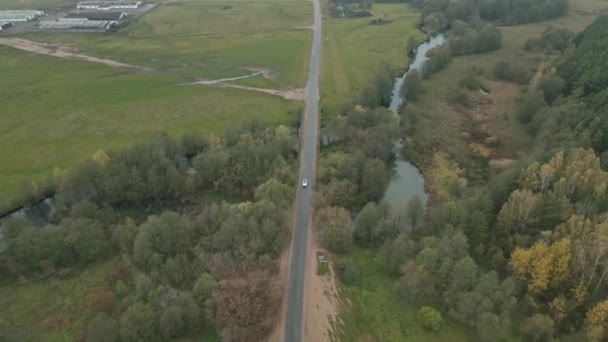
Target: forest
<point x="187" y="259"/>
<point x="522" y="252"/>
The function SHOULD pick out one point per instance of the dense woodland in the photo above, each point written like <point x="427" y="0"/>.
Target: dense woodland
<point x="522" y="252"/>
<point x="187" y="260"/>
<point x="440" y="14"/>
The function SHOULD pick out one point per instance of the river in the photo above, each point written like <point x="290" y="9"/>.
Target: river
<point x="408" y="181"/>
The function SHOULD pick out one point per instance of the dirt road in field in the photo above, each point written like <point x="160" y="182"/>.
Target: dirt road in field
<point x="62" y="52"/>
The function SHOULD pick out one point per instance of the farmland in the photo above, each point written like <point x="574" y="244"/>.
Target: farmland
<point x="354" y="49"/>
<point x="208" y="40"/>
<point x="56" y="112"/>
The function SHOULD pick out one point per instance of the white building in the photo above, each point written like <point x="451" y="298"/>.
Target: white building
<point x="19" y="16"/>
<point x="109" y="5"/>
<point x="77" y="24"/>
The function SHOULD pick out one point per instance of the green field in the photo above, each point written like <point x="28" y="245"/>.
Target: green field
<point x="57" y="112"/>
<point x="54" y="310"/>
<point x="209" y="39"/>
<point x="353" y="50"/>
<point x="370" y="311"/>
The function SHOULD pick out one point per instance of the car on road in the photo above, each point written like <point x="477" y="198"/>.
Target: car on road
<point x="304" y="182"/>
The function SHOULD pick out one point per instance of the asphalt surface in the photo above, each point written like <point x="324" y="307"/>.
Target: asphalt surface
<point x="303" y="210"/>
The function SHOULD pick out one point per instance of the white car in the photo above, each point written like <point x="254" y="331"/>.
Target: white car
<point x="304" y="182"/>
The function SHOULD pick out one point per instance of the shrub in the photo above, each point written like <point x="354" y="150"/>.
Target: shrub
<point x="348" y="272"/>
<point x="430" y="318"/>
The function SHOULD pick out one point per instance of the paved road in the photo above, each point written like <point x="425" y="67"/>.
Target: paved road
<point x="308" y="162"/>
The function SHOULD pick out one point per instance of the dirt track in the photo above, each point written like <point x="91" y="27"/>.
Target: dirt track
<point x="62" y="52"/>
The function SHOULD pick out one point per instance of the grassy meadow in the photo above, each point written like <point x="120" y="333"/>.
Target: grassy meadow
<point x="209" y="39"/>
<point x="56" y="112"/>
<point x="353" y="49"/>
<point x="370" y="310"/>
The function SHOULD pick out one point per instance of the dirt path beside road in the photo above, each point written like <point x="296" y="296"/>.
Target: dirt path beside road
<point x="320" y="291"/>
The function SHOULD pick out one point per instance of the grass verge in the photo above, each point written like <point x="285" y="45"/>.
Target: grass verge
<point x="371" y="312"/>
<point x="353" y="49"/>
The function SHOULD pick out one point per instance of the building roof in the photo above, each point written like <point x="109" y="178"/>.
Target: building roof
<point x="19" y="15"/>
<point x="97" y="15"/>
<point x="107" y="4"/>
<point x="76" y="24"/>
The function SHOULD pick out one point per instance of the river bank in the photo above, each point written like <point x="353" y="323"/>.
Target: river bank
<point x="409" y="181"/>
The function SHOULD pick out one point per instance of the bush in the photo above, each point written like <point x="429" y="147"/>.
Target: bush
<point x="514" y="73"/>
<point x="531" y="103"/>
<point x="538" y="328"/>
<point x="439" y="58"/>
<point x="102" y="328"/>
<point x="348" y="272"/>
<point x="430" y="318"/>
<point x="552" y="87"/>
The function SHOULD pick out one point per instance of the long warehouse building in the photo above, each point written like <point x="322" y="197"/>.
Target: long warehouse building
<point x="109" y="5"/>
<point x="19" y="16"/>
<point x="77" y="24"/>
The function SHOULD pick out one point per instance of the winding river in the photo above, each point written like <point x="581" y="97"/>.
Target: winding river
<point x="408" y="181"/>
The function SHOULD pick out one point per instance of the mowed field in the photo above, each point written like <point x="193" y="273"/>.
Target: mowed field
<point x="56" y="112"/>
<point x="353" y="49"/>
<point x="209" y="40"/>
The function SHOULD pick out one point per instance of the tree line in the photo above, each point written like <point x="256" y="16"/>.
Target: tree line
<point x="188" y="260"/>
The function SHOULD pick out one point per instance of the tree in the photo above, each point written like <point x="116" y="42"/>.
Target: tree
<point x="538" y="328"/>
<point x="139" y="323"/>
<point x="491" y="327"/>
<point x="542" y="266"/>
<point x="411" y="85"/>
<point x="348" y="272"/>
<point x="203" y="289"/>
<point x="552" y="87"/>
<point x="102" y="328"/>
<point x="464" y="275"/>
<point x="430" y="318"/>
<point x="367" y="220"/>
<point x="515" y="214"/>
<point x="85" y="238"/>
<point x="394" y="253"/>
<point x="417" y="284"/>
<point x="160" y="238"/>
<point x="596" y="322"/>
<point x="335" y="228"/>
<point x="246" y="308"/>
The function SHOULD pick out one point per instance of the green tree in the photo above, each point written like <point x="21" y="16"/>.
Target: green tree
<point x="538" y="328"/>
<point x="85" y="238"/>
<point x="203" y="289"/>
<point x="430" y="318"/>
<point x="394" y="253"/>
<point x="552" y="87"/>
<point x="139" y="323"/>
<point x="336" y="229"/>
<point x="367" y="220"/>
<point x="102" y="328"/>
